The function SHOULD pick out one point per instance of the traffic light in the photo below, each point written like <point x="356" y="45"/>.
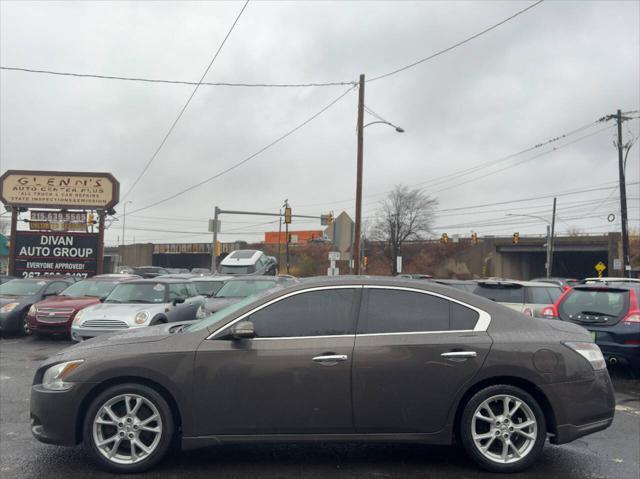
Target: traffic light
<point x="444" y="239"/>
<point x="91" y="219"/>
<point x="287" y="215"/>
<point x="218" y="248"/>
<point x="366" y="261"/>
<point x="330" y="218"/>
<point x="474" y="237"/>
<point x="516" y="238"/>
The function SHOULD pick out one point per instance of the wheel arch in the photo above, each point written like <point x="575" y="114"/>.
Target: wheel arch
<point x="524" y="384"/>
<point x="159" y="318"/>
<point x="103" y="386"/>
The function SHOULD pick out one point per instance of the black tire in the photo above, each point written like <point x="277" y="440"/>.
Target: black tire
<point x="167" y="433"/>
<point x="23" y="326"/>
<point x="466" y="424"/>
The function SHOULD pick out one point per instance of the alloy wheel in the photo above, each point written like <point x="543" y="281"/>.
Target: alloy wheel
<point x="127" y="429"/>
<point x="504" y="429"/>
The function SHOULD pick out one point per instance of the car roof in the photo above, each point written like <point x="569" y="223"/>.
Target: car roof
<point x="46" y="279"/>
<point x="111" y="277"/>
<point x="507" y="282"/>
<point x="242" y="257"/>
<point x="452" y="281"/>
<point x="611" y="279"/>
<point x="274" y="279"/>
<point x="159" y="279"/>
<point x="212" y="278"/>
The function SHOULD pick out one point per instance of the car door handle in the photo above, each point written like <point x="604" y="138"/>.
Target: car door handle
<point x="459" y="355"/>
<point x="330" y="358"/>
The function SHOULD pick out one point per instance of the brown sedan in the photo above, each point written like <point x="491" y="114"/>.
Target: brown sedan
<point x="330" y="360"/>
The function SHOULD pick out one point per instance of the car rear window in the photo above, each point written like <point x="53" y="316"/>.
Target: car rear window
<point x="594" y="304"/>
<point x="501" y="293"/>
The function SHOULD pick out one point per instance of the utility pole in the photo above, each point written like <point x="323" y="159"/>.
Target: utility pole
<point x="626" y="267"/>
<point x="214" y="246"/>
<point x="356" y="240"/>
<point x="550" y="240"/>
<point x="286" y="229"/>
<point x="280" y="240"/>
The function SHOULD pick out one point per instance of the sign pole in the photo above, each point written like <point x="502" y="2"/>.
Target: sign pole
<point x="12" y="245"/>
<point x="214" y="246"/>
<point x="100" y="262"/>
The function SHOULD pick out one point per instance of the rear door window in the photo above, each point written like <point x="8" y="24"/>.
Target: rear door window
<point x="501" y="293"/>
<point x="462" y="318"/>
<point x="555" y="293"/>
<point x="399" y="311"/>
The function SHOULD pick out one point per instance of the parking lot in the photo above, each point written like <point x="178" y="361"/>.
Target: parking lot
<point x="613" y="453"/>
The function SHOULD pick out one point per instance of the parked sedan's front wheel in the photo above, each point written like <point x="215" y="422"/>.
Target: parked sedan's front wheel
<point x="503" y="429"/>
<point x="128" y="428"/>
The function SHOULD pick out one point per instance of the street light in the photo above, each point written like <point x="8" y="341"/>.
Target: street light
<point x="124" y="218"/>
<point x="360" y="131"/>
<point x="548" y="265"/>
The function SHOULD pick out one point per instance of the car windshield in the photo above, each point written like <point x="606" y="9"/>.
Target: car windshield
<point x="208" y="288"/>
<point x="501" y="293"/>
<point x="21" y="287"/>
<point x="220" y="316"/>
<point x="224" y="269"/>
<point x="137" y="293"/>
<point x="241" y="289"/>
<point x="88" y="287"/>
<point x="581" y="302"/>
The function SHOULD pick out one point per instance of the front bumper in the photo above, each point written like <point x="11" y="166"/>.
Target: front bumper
<point x="11" y="322"/>
<point x="82" y="334"/>
<point x="581" y="407"/>
<point x="54" y="414"/>
<point x="48" y="328"/>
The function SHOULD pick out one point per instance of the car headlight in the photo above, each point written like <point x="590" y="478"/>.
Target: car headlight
<point x="33" y="310"/>
<point x="7" y="308"/>
<point x="141" y="317"/>
<point x="54" y="377"/>
<point x="78" y="317"/>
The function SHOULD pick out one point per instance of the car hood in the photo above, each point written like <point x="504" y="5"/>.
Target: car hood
<point x="211" y="305"/>
<point x="124" y="310"/>
<point x="68" y="302"/>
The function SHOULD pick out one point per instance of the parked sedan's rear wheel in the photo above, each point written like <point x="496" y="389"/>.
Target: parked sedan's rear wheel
<point x="503" y="428"/>
<point x="128" y="428"/>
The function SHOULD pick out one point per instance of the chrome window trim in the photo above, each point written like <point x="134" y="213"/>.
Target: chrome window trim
<point x="484" y="318"/>
<point x="288" y="295"/>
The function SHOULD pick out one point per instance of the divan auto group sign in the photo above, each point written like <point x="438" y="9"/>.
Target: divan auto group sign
<point x="51" y="253"/>
<point x="46" y="189"/>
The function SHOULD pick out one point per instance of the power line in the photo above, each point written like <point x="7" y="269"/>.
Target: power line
<point x="178" y="82"/>
<point x="456" y="45"/>
<point x="184" y="108"/>
<point x="240" y="163"/>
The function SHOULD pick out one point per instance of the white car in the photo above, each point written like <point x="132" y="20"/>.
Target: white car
<point x="248" y="261"/>
<point x="137" y="304"/>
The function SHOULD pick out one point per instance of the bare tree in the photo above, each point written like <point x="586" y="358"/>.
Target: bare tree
<point x="404" y="215"/>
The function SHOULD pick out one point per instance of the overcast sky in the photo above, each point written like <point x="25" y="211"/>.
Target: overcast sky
<point x="554" y="69"/>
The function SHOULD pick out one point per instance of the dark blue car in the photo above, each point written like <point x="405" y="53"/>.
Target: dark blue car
<point x="610" y="311"/>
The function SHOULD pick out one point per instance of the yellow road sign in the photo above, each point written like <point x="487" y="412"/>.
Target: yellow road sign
<point x="600" y="267"/>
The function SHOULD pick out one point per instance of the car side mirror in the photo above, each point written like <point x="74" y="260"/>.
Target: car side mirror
<point x="243" y="330"/>
<point x="102" y="299"/>
<point x="178" y="301"/>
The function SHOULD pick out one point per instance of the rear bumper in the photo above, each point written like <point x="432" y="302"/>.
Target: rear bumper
<point x="581" y="407"/>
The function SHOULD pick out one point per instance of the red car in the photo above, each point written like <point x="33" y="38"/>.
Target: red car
<point x="55" y="314"/>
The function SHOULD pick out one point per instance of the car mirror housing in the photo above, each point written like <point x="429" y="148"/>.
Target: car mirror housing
<point x="243" y="330"/>
<point x="178" y="301"/>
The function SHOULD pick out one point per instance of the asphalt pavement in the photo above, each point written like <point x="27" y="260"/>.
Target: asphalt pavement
<point x="613" y="453"/>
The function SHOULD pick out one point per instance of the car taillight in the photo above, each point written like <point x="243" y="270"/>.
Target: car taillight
<point x="591" y="352"/>
<point x="632" y="318"/>
<point x="633" y="342"/>
<point x="550" y="312"/>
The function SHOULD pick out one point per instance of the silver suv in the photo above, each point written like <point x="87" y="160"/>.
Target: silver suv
<point x="140" y="303"/>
